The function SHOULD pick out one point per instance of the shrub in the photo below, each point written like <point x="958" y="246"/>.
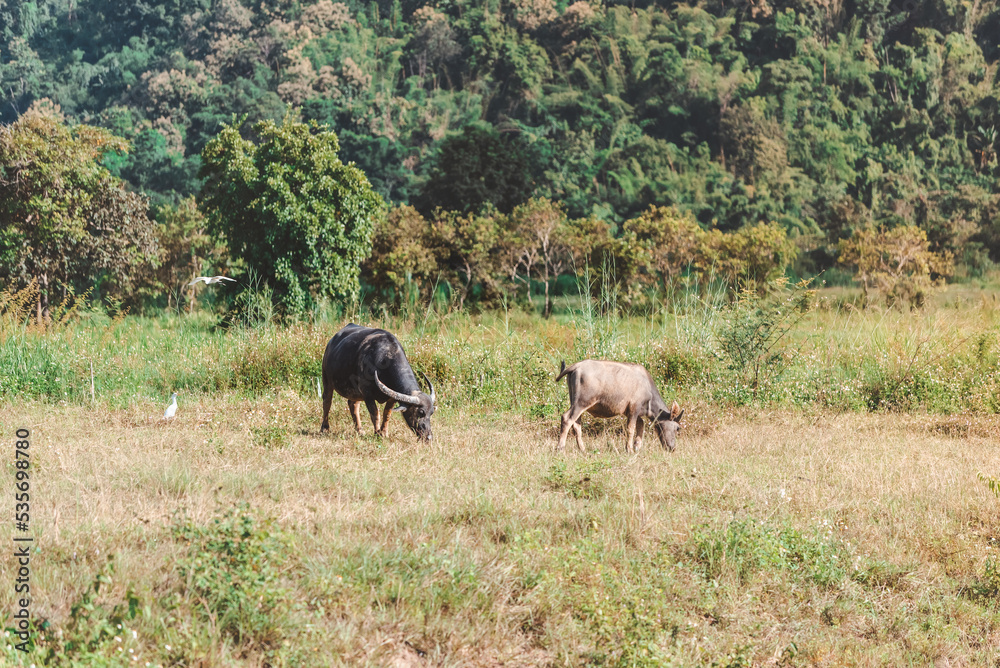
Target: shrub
<point x="232" y="567"/>
<point x="94" y="635"/>
<point x="753" y="333"/>
<point x="895" y="265"/>
<point x="746" y="547"/>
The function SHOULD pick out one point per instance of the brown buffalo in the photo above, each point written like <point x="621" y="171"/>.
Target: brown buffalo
<point x="607" y="389"/>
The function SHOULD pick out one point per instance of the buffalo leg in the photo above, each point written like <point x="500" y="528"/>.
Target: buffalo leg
<point x="327" y="400"/>
<point x="373" y="411"/>
<point x="386" y="412"/>
<point x="569" y="419"/>
<point x="640" y="428"/>
<point x="631" y="432"/>
<point x="355" y="408"/>
<point x="578" y="432"/>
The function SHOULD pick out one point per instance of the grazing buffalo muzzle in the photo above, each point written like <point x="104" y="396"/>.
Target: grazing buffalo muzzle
<point x="607" y="389"/>
<point x="368" y="365"/>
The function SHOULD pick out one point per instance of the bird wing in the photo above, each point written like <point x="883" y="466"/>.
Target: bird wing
<point x="200" y="278"/>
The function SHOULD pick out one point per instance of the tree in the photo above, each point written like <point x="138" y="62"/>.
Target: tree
<point x="401" y="252"/>
<point x="290" y="208"/>
<point x="186" y="249"/>
<point x="545" y="224"/>
<point x="119" y="247"/>
<point x="465" y="247"/>
<point x="754" y="255"/>
<point x="69" y="223"/>
<point x="666" y="241"/>
<point x="517" y="253"/>
<point x="479" y="168"/>
<point x="896" y="264"/>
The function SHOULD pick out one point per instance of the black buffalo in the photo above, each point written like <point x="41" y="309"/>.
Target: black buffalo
<point x="369" y="365"/>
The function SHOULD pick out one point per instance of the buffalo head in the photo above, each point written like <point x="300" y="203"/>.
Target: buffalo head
<point x="417" y="408"/>
<point x="668" y="425"/>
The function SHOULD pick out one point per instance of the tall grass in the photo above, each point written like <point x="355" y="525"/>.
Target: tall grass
<point x="945" y="358"/>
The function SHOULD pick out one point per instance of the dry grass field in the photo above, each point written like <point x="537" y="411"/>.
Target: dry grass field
<point x="236" y="535"/>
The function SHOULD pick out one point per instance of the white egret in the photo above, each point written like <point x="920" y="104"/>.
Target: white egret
<point x="172" y="408"/>
<point x="209" y="280"/>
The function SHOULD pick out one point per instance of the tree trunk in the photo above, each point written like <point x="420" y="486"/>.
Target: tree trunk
<point x="465" y="289"/>
<point x="43" y="298"/>
<point x="547" y="311"/>
<point x="194" y="273"/>
<point x="527" y="283"/>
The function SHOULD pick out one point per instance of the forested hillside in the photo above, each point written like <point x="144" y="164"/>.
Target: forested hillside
<point x="823" y="116"/>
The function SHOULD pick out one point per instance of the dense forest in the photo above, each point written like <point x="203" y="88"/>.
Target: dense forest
<point x="826" y="118"/>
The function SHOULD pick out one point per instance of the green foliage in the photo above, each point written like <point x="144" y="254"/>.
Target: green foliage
<point x="483" y="256"/>
<point x="464" y="246"/>
<point x="992" y="483"/>
<point x="896" y="265"/>
<point x="479" y="168"/>
<point x="69" y="225"/>
<point x="93" y="635"/>
<point x="233" y="568"/>
<point x="824" y="122"/>
<point x="402" y="252"/>
<point x="186" y="251"/>
<point x="271" y="437"/>
<point x="664" y="248"/>
<point x="986" y="587"/>
<point x="941" y="360"/>
<point x="290" y="208"/>
<point x="753" y="333"/>
<point x="745" y="548"/>
<point x="253" y="308"/>
<point x="735" y="659"/>
<point x="267" y="360"/>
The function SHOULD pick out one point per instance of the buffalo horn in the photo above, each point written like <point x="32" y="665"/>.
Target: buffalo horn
<point x="393" y="394"/>
<point x="430" y="385"/>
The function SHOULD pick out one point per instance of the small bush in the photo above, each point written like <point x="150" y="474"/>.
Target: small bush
<point x="233" y="566"/>
<point x="745" y="547"/>
<point x="752" y="336"/>
<point x="986" y="587"/>
<point x="271" y="437"/>
<point x="93" y="636"/>
<point x="268" y="360"/>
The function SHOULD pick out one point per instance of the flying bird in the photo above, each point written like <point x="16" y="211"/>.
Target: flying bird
<point x="209" y="280"/>
<point x="172" y="408"/>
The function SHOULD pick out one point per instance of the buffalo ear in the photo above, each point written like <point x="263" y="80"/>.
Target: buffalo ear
<point x="676" y="412"/>
<point x="400" y="408"/>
